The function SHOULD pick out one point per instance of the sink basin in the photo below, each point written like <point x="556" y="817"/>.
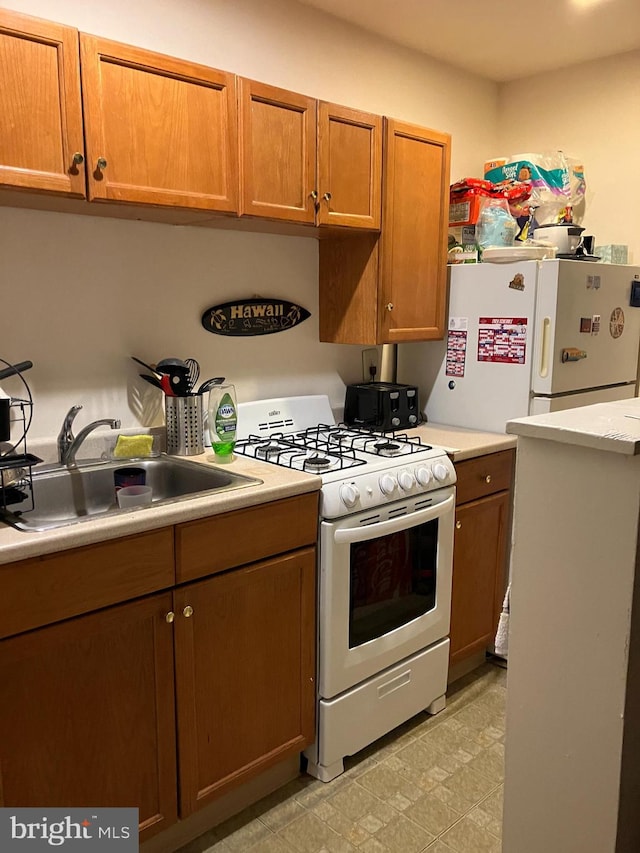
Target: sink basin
<point x="64" y="495"/>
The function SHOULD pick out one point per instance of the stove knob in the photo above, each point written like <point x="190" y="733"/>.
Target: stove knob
<point x="413" y="419"/>
<point x="395" y="422"/>
<point x="440" y="472"/>
<point x="405" y="480"/>
<point x="349" y="494"/>
<point x="423" y="475"/>
<point x="387" y="484"/>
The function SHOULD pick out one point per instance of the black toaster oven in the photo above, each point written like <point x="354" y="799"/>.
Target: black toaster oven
<point x="382" y="405"/>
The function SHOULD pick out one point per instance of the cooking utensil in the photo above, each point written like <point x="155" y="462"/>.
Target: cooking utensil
<point x="178" y="373"/>
<point x="170" y="362"/>
<point x="167" y="386"/>
<point x="179" y="383"/>
<point x="148" y="366"/>
<point x="152" y="380"/>
<point x="209" y="383"/>
<point x="194" y="372"/>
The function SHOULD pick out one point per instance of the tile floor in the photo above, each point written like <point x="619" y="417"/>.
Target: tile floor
<point x="434" y="784"/>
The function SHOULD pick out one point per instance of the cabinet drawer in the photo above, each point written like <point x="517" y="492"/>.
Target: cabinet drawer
<point x="47" y="589"/>
<point x="484" y="475"/>
<point x="233" y="539"/>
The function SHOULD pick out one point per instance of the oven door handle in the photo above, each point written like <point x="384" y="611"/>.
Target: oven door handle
<point x="393" y="525"/>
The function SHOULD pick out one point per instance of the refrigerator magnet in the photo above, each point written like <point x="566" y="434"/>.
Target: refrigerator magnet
<point x="572" y="354"/>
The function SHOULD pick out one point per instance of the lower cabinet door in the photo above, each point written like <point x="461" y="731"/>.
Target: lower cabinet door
<point x="245" y="673"/>
<point x="87" y="714"/>
<point x="479" y="557"/>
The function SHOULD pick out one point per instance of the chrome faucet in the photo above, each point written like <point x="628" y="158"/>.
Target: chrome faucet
<point x="68" y="443"/>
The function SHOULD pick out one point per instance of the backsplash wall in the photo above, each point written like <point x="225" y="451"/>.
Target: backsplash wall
<point x="82" y="294"/>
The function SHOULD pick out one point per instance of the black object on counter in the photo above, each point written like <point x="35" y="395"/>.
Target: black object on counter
<point x="382" y="405"/>
<point x="5" y="420"/>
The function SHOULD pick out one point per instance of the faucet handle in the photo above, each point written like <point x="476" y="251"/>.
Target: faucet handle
<point x="70" y="417"/>
<point x="65" y="436"/>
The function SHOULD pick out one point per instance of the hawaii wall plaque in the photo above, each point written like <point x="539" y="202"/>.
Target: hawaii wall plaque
<point x="246" y="317"/>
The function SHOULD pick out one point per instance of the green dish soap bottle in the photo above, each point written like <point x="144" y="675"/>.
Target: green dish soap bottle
<point x="223" y="421"/>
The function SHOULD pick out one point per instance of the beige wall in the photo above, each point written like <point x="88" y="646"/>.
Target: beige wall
<point x="89" y="292"/>
<point x="592" y="111"/>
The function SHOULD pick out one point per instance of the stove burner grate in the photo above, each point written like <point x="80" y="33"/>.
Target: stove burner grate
<point x="303" y="451"/>
<point x="328" y="447"/>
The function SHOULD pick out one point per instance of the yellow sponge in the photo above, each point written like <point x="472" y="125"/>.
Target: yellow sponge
<point x="133" y="445"/>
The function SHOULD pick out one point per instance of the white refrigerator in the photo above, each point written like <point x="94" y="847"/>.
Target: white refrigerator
<point x="534" y="337"/>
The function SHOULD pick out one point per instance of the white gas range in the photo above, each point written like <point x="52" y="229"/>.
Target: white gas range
<point x="384" y="568"/>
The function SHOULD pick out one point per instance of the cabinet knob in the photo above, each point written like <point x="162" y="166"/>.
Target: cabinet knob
<point x="170" y="616"/>
<point x="102" y="163"/>
<point x="188" y="611"/>
<point x="313" y="194"/>
<point x="327" y="196"/>
<point x="389" y="306"/>
<point x="487" y="479"/>
<point x="458" y="525"/>
<point x="77" y="158"/>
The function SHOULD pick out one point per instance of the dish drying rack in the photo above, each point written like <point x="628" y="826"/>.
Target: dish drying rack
<point x="16" y="463"/>
<point x="16" y="479"/>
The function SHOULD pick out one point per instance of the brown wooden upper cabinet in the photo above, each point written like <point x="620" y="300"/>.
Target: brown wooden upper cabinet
<point x="159" y="130"/>
<point x="413" y="244"/>
<point x="308" y="161"/>
<point x="393" y="288"/>
<point x="41" y="145"/>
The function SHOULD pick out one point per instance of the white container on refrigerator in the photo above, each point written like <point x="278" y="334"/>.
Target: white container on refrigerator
<point x="533" y="337"/>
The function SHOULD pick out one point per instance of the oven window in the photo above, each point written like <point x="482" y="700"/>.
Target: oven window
<point x="393" y="581"/>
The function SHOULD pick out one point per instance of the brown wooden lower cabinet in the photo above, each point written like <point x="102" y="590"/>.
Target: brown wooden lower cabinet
<point x="480" y="552"/>
<point x="168" y="701"/>
<point x="245" y="664"/>
<point x="87" y="714"/>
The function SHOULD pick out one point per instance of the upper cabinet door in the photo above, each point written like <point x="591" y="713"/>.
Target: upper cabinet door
<point x="349" y="167"/>
<point x="413" y="249"/>
<point x="41" y="144"/>
<point x="159" y="130"/>
<point x="277" y="153"/>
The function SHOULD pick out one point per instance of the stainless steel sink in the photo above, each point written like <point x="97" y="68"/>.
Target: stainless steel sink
<point x="64" y="495"/>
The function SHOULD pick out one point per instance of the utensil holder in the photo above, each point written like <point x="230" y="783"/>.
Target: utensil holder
<point x="183" y="417"/>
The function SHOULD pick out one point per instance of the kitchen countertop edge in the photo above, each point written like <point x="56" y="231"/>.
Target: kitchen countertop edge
<point x="276" y="483"/>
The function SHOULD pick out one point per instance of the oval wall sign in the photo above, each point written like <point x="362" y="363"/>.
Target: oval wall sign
<point x="253" y="317"/>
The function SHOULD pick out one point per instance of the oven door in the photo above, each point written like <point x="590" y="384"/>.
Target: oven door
<point x="385" y="587"/>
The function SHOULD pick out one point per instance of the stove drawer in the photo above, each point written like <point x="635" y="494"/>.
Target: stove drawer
<point x="243" y="536"/>
<point x="368" y="711"/>
<point x="484" y="475"/>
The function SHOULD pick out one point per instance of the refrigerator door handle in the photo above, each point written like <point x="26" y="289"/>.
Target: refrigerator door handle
<point x="544" y="349"/>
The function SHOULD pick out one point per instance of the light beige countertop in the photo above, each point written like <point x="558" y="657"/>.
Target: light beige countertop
<point x="613" y="426"/>
<point x="277" y="483"/>
<point x="462" y="443"/>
